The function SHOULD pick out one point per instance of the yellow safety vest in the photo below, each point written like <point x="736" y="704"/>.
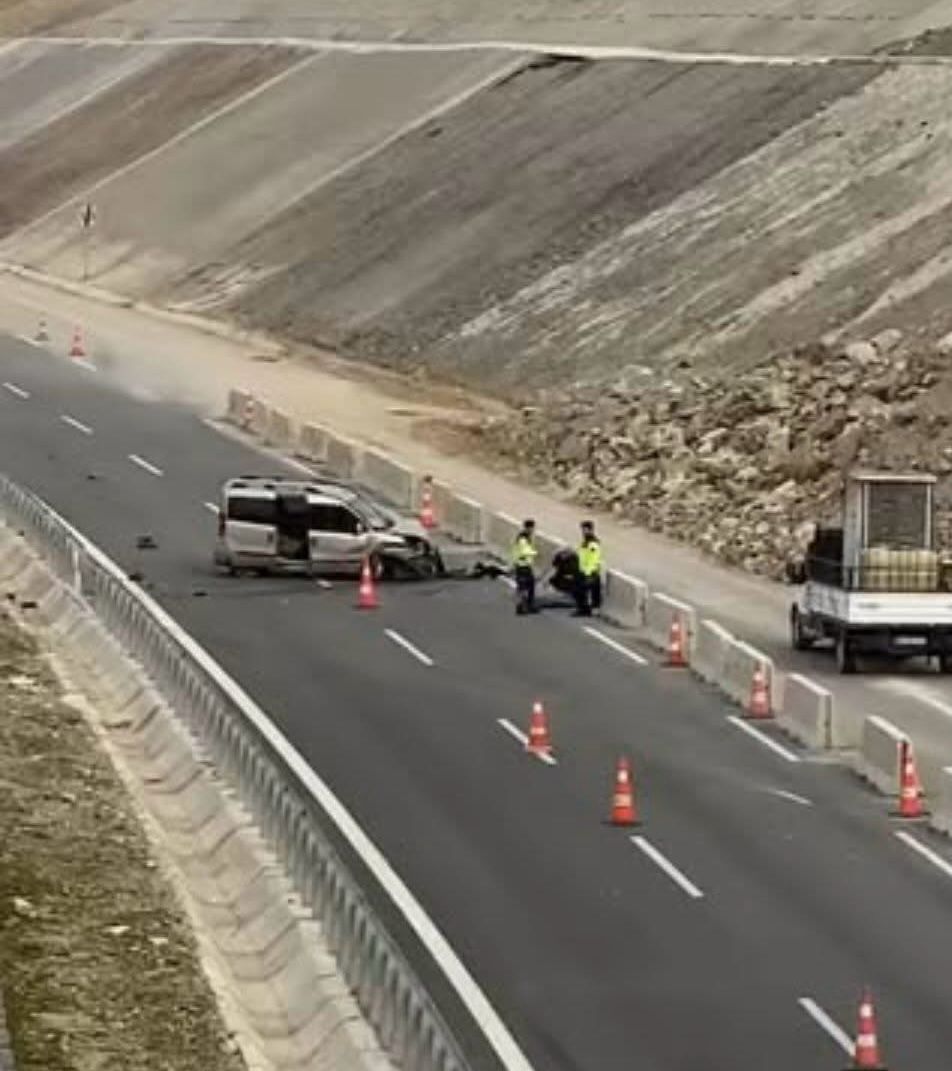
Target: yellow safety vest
<point x="524" y="551"/>
<point x="590" y="558"/>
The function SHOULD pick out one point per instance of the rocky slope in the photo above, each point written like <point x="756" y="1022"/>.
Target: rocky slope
<point x="738" y="466"/>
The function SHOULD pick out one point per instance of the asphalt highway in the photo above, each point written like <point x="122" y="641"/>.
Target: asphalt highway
<point x="733" y="929"/>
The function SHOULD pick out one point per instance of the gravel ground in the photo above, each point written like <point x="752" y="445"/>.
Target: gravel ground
<point x="98" y="966"/>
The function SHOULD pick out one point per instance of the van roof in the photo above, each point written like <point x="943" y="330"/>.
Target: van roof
<point x="271" y="486"/>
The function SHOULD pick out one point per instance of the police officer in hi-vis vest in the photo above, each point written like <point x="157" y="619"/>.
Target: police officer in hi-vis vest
<point x="588" y="588"/>
<point x="524" y="554"/>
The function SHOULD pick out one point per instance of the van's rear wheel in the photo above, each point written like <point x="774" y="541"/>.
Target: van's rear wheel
<point x="845" y="656"/>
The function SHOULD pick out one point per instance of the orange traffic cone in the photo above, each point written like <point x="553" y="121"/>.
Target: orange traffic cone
<point x="367" y="594"/>
<point x="910" y="787"/>
<point x="676" y="655"/>
<point x="759" y="704"/>
<point x="539" y="742"/>
<point x="624" y="812"/>
<point x="77" y="349"/>
<point x="427" y="516"/>
<point x="866" y="1051"/>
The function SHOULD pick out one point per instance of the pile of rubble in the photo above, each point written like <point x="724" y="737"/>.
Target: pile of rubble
<point x="740" y="466"/>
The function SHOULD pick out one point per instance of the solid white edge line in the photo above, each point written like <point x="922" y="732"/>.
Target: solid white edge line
<point x="211" y="507"/>
<point x="477" y="1003"/>
<point x="660" y="860"/>
<point x="828" y="1025"/>
<point x="615" y="645"/>
<point x="763" y="738"/>
<point x="514" y="730"/>
<point x="18" y="391"/>
<point x="74" y="423"/>
<point x="30" y="341"/>
<point x="403" y="642"/>
<point x="927" y="853"/>
<point x="143" y="464"/>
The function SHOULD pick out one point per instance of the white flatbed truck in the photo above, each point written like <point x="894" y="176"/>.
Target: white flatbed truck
<point x="876" y="585"/>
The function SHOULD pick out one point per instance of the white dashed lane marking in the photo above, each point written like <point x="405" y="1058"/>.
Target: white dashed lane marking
<point x="831" y="1028"/>
<point x="620" y="648"/>
<point x="146" y="465"/>
<point x="665" y="864"/>
<point x="402" y="641"/>
<point x="76" y="424"/>
<point x="762" y="738"/>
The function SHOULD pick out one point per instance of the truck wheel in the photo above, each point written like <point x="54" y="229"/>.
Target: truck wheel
<point x="799" y="640"/>
<point x="845" y="658"/>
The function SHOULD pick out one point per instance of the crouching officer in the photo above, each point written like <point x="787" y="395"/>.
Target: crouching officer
<point x="524" y="555"/>
<point x="588" y="588"/>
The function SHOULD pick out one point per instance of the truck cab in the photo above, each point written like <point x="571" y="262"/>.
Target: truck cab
<point x="876" y="585"/>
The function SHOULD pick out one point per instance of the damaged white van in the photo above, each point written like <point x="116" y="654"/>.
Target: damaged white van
<point x="270" y="524"/>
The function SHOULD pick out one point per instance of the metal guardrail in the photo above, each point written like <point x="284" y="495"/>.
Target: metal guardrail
<point x="284" y="797"/>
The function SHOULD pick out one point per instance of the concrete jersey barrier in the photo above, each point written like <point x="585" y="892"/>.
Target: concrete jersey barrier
<point x="259" y="417"/>
<point x="239" y="406"/>
<point x="709" y="653"/>
<point x="499" y="532"/>
<point x="878" y="760"/>
<point x="941" y="817"/>
<point x="660" y="612"/>
<point x="741" y="661"/>
<point x="279" y="430"/>
<point x="394" y="481"/>
<point x="626" y="598"/>
<point x="457" y="515"/>
<point x="807" y="713"/>
<point x="343" y="457"/>
<point x="312" y="442"/>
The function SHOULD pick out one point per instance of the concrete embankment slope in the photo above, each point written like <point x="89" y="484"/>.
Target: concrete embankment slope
<point x="377" y="202"/>
<point x="505" y="219"/>
<point x="283" y="123"/>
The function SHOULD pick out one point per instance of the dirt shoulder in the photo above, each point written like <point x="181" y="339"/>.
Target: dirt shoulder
<point x="98" y="966"/>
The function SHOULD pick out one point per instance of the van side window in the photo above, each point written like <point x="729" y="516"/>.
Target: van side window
<point x="252" y="510"/>
<point x="333" y="518"/>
